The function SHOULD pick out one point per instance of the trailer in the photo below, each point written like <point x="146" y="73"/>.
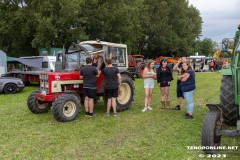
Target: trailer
<point x="32" y="67"/>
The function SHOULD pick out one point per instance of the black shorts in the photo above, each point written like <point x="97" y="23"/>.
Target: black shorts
<point x="164" y="84"/>
<point x="111" y="93"/>
<point x="90" y="93"/>
<point x="179" y="91"/>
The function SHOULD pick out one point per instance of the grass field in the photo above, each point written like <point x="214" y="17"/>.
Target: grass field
<point x="157" y="134"/>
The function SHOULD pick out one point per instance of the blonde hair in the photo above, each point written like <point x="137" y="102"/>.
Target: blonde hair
<point x="149" y="64"/>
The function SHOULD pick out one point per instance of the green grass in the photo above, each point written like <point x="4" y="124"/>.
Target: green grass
<point x="157" y="134"/>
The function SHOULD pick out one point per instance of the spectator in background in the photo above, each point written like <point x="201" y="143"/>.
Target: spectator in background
<point x="164" y="78"/>
<point x="194" y="64"/>
<point x="211" y="66"/>
<point x="149" y="75"/>
<point x="178" y="67"/>
<point x="25" y="68"/>
<point x="188" y="86"/>
<point x="9" y="67"/>
<point x="13" y="67"/>
<point x="89" y="73"/>
<point x="202" y="65"/>
<point x="215" y="65"/>
<point x="113" y="81"/>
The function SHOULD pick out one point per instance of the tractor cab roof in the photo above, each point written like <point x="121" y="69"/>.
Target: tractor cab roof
<point x="103" y="43"/>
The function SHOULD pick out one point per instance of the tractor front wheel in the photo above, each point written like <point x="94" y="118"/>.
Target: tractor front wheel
<point x="126" y="94"/>
<point x="36" y="106"/>
<point x="211" y="125"/>
<point x="66" y="108"/>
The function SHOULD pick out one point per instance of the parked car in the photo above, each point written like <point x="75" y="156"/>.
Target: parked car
<point x="10" y="85"/>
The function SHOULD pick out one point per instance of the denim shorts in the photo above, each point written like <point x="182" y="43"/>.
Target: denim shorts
<point x="149" y="84"/>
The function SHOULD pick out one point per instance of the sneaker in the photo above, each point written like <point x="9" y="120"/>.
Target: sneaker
<point x="186" y="114"/>
<point x="107" y="114"/>
<point x="189" y="116"/>
<point x="149" y="108"/>
<point x="144" y="109"/>
<point x="91" y="115"/>
<point x="115" y="114"/>
<point x="86" y="114"/>
<point x="176" y="108"/>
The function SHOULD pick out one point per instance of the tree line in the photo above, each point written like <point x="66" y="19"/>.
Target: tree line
<point x="149" y="27"/>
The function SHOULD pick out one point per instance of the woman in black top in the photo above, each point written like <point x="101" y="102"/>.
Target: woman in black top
<point x="98" y="62"/>
<point x="164" y="78"/>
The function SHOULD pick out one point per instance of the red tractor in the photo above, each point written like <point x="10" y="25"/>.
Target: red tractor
<point x="63" y="89"/>
<point x="136" y="64"/>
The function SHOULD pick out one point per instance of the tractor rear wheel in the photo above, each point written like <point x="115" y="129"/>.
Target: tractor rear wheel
<point x="66" y="108"/>
<point x="229" y="109"/>
<point x="211" y="124"/>
<point x="36" y="106"/>
<point x="140" y="69"/>
<point x="125" y="97"/>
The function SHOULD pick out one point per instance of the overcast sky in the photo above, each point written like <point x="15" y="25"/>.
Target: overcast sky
<point x="220" y="18"/>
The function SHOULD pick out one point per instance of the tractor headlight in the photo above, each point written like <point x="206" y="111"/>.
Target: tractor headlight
<point x="46" y="85"/>
<point x="20" y="82"/>
<point x="76" y="86"/>
<point x="42" y="85"/>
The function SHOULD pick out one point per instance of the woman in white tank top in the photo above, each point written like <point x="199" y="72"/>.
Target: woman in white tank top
<point x="149" y="75"/>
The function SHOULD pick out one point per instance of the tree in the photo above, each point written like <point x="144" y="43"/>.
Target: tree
<point x="60" y="22"/>
<point x="114" y="20"/>
<point x="29" y="25"/>
<point x="146" y="26"/>
<point x="171" y="27"/>
<point x="17" y="29"/>
<point x="205" y="47"/>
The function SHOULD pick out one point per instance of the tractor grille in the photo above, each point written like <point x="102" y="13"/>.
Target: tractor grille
<point x="43" y="84"/>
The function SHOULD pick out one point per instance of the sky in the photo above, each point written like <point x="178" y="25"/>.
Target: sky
<point x="220" y="18"/>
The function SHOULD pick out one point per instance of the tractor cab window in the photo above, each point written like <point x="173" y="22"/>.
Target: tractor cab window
<point x="83" y="56"/>
<point x="72" y="57"/>
<point x="44" y="64"/>
<point x="118" y="56"/>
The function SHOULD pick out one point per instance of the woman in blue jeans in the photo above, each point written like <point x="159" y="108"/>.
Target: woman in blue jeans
<point x="188" y="86"/>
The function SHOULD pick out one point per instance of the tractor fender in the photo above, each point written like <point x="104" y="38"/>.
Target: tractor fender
<point x="226" y="70"/>
<point x="127" y="73"/>
<point x="214" y="107"/>
<point x="74" y="93"/>
<point x="140" y="63"/>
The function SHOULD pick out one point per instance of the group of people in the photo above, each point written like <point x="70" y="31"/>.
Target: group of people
<point x="89" y="73"/>
<point x="185" y="84"/>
